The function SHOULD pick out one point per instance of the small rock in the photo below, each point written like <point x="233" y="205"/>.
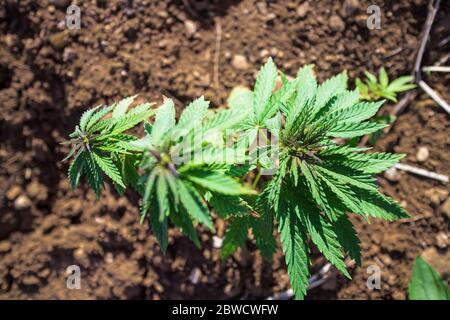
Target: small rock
<point x="398" y="295"/>
<point x="191" y="28"/>
<point x="442" y="240"/>
<point x="240" y="62"/>
<point x="302" y="10"/>
<point x="436" y="195"/>
<point x="109" y="258"/>
<point x="30" y="280"/>
<point x="392" y="174"/>
<point x="195" y="276"/>
<point x="13" y="192"/>
<point x="37" y="191"/>
<point x="386" y="259"/>
<point x="349" y="7"/>
<point x="59" y="40"/>
<point x="22" y="202"/>
<point x="271" y="16"/>
<point x="336" y="23"/>
<point x="217" y="242"/>
<point x="445" y="208"/>
<point x="5" y="246"/>
<point x="422" y="154"/>
<point x="264" y="53"/>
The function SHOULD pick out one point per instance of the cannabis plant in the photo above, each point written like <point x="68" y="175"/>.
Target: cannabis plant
<point x="375" y="89"/>
<point x="281" y="142"/>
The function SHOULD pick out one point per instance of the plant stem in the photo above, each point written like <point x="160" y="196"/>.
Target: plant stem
<point x="258" y="177"/>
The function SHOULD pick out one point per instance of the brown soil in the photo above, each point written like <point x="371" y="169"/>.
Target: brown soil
<point x="49" y="75"/>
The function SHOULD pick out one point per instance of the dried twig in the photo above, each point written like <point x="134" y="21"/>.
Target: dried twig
<point x="422" y="172"/>
<point x="436" y="69"/>
<point x="217" y="54"/>
<point x="435" y="96"/>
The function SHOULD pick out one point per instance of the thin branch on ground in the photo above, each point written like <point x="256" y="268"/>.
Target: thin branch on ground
<point x="422" y="172"/>
<point x="217" y="54"/>
<point x="435" y="96"/>
<point x="436" y="69"/>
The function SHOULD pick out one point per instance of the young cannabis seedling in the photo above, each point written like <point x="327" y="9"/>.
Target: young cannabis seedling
<point x="375" y="89"/>
<point x="318" y="182"/>
<point x="183" y="169"/>
<point x="99" y="144"/>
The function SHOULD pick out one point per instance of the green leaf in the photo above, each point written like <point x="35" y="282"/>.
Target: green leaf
<point x="159" y="227"/>
<point x="162" y="195"/>
<point x="76" y="169"/>
<point x="329" y="89"/>
<point x="263" y="232"/>
<point x="240" y="98"/>
<point x="86" y="116"/>
<point x="164" y="121"/>
<point x="235" y="237"/>
<point x="94" y="174"/>
<point x="348" y="238"/>
<point x="216" y="182"/>
<point x="323" y="236"/>
<point x="121" y="107"/>
<point x="109" y="168"/>
<point x="262" y="92"/>
<point x="426" y="284"/>
<point x="350" y="130"/>
<point x="295" y="248"/>
<point x="191" y="117"/>
<point x="383" y="76"/>
<point x="182" y="220"/>
<point x="194" y="205"/>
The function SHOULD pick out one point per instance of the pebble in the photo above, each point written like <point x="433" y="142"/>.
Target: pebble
<point x="217" y="242"/>
<point x="191" y="28"/>
<point x="336" y="23"/>
<point x="442" y="240"/>
<point x="59" y="40"/>
<point x="5" y="246"/>
<point x="445" y="208"/>
<point x="13" y="192"/>
<point x="422" y="154"/>
<point x="436" y="195"/>
<point x="392" y="174"/>
<point x="195" y="276"/>
<point x="22" y="202"/>
<point x="240" y="62"/>
<point x="30" y="280"/>
<point x="302" y="10"/>
<point x="349" y="7"/>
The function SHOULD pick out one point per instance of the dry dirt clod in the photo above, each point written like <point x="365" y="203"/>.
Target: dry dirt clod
<point x="442" y="240"/>
<point x="5" y="246"/>
<point x="349" y="8"/>
<point x="445" y="208"/>
<point x="392" y="174"/>
<point x="240" y="62"/>
<point x="22" y="202"/>
<point x="13" y="192"/>
<point x="436" y="195"/>
<point x="191" y="28"/>
<point x="337" y="24"/>
<point x="422" y="154"/>
<point x="302" y="10"/>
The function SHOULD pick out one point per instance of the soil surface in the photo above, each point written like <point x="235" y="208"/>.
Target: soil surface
<point x="182" y="49"/>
